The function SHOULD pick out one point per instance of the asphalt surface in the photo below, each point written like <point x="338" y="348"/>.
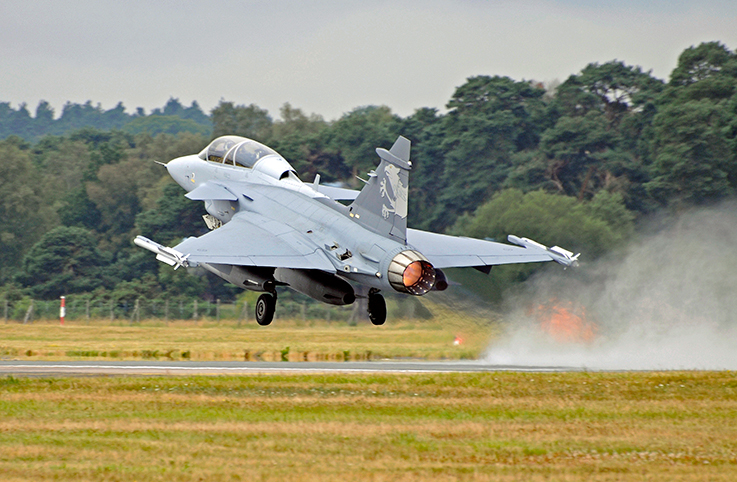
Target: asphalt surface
<point x="175" y="368"/>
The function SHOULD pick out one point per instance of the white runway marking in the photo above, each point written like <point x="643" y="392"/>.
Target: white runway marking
<point x="8" y="367"/>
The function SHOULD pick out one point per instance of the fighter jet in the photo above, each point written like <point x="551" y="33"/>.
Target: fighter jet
<point x="270" y="229"/>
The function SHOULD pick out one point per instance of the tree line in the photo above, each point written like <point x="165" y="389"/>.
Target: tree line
<point x="575" y="164"/>
<point x="172" y="118"/>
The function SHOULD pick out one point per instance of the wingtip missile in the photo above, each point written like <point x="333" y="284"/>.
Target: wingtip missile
<point x="558" y="254"/>
<point x="170" y="256"/>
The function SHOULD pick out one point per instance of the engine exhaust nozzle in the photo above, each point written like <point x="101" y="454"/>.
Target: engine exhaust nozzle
<point x="410" y="272"/>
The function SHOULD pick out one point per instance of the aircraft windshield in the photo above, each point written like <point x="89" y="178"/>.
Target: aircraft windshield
<point x="247" y="153"/>
<point x="235" y="150"/>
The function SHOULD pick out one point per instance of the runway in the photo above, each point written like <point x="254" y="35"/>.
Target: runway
<point x="179" y="368"/>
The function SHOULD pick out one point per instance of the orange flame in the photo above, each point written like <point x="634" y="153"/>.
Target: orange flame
<point x="564" y="322"/>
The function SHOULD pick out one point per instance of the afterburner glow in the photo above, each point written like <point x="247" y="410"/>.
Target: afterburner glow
<point x="410" y="272"/>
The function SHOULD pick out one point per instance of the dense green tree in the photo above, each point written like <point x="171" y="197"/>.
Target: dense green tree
<point x="424" y="129"/>
<point x="249" y="121"/>
<point x="6" y="111"/>
<point x="165" y="124"/>
<point x="77" y="116"/>
<point x="692" y="156"/>
<point x="117" y="195"/>
<point x="63" y="161"/>
<point x="490" y="118"/>
<point x="299" y="138"/>
<point x="530" y="171"/>
<point x="19" y="122"/>
<point x="576" y="148"/>
<point x="116" y="117"/>
<point x="357" y="134"/>
<point x="104" y="148"/>
<point x="165" y="147"/>
<point x="613" y="89"/>
<point x="43" y="120"/>
<point x="174" y="217"/>
<point x="693" y="138"/>
<point x="25" y="211"/>
<point x="95" y="138"/>
<point x="294" y="122"/>
<point x="174" y="108"/>
<point x="708" y="71"/>
<point x="512" y="107"/>
<point x="76" y="209"/>
<point x="127" y="292"/>
<point x="597" y="142"/>
<point x="183" y="281"/>
<point x="730" y="134"/>
<point x="66" y="260"/>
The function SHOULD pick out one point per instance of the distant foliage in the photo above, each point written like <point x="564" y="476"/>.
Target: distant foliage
<point x="594" y="227"/>
<point x="247" y="121"/>
<point x="574" y="164"/>
<point x="172" y="119"/>
<point x="65" y="260"/>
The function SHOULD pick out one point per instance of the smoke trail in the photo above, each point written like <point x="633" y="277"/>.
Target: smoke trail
<point x="669" y="301"/>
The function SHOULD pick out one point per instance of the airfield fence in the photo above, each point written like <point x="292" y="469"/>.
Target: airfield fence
<point x="133" y="311"/>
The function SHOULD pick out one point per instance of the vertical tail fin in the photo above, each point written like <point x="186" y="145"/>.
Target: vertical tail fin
<point x="382" y="203"/>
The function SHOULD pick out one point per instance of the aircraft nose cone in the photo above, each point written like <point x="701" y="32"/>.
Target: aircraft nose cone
<point x="180" y="171"/>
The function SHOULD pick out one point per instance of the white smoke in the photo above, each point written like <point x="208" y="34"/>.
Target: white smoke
<point x="668" y="301"/>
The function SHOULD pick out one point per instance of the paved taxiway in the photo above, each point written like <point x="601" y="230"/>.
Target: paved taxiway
<point x="91" y="368"/>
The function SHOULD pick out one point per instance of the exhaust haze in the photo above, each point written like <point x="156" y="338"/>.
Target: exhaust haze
<point x="667" y="301"/>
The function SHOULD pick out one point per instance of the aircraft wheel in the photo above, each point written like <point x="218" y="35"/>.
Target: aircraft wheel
<point x="376" y="309"/>
<point x="265" y="308"/>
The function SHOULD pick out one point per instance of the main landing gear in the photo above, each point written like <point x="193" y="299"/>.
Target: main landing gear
<point x="265" y="308"/>
<point x="376" y="307"/>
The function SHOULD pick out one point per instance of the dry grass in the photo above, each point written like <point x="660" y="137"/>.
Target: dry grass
<point x="207" y="340"/>
<point x="496" y="426"/>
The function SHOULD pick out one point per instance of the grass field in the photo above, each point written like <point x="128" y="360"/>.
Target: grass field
<point x="495" y="426"/>
<point x="206" y="340"/>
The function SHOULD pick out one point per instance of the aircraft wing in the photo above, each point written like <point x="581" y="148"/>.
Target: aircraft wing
<point x="338" y="193"/>
<point x="445" y="251"/>
<point x="210" y="191"/>
<point x="250" y="239"/>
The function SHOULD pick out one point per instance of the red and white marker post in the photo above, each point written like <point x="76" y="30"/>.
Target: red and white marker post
<point x="62" y="310"/>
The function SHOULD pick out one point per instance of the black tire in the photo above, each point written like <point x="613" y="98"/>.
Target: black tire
<point x="376" y="309"/>
<point x="265" y="308"/>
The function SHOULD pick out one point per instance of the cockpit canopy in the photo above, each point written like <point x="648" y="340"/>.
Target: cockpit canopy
<point x="243" y="152"/>
<point x="236" y="151"/>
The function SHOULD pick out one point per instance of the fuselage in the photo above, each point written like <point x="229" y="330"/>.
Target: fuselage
<point x="270" y="229"/>
<point x="271" y="188"/>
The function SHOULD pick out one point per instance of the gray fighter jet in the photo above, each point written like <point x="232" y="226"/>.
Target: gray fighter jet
<point x="270" y="229"/>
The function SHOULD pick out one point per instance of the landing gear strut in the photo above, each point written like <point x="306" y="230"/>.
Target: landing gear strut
<point x="376" y="308"/>
<point x="265" y="308"/>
